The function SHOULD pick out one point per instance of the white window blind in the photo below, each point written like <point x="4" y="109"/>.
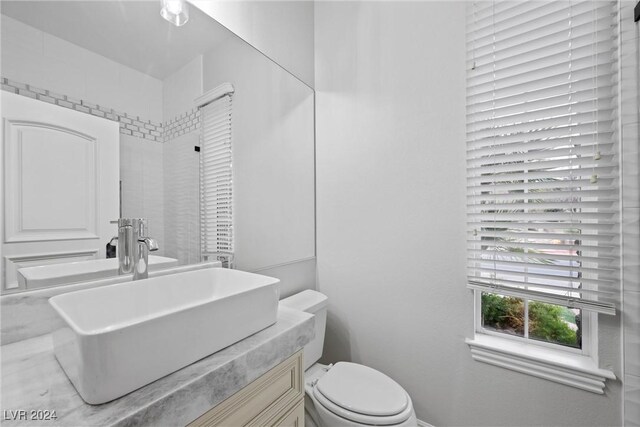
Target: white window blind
<point x="216" y="180"/>
<point x="542" y="151"/>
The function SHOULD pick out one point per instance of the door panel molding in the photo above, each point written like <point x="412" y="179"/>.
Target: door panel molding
<point x="34" y="185"/>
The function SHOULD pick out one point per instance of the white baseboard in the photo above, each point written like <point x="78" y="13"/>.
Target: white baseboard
<point x="423" y="424"/>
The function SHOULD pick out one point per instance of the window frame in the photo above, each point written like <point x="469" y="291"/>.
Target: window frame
<point x="589" y="326"/>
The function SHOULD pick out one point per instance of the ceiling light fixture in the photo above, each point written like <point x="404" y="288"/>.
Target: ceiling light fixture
<point x="175" y="11"/>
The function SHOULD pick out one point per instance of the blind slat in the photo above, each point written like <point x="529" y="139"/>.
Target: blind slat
<point x="542" y="23"/>
<point x="562" y="124"/>
<point x="527" y="243"/>
<point x="572" y="302"/>
<point x="524" y="233"/>
<point x="521" y="75"/>
<point x="492" y="226"/>
<point x="512" y="144"/>
<point x="545" y="279"/>
<point x="542" y="281"/>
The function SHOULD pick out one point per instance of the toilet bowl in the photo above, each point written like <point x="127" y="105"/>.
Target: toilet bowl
<point x="346" y="394"/>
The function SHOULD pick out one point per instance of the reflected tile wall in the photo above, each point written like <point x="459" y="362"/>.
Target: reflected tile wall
<point x="182" y="197"/>
<point x="141" y="177"/>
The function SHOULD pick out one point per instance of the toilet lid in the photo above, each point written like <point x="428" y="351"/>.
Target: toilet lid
<point x="363" y="390"/>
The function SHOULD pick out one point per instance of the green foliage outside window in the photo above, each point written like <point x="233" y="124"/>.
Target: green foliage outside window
<point x="503" y="313"/>
<point x="547" y="322"/>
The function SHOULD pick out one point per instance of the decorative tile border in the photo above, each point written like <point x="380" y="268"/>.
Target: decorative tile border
<point x="129" y="124"/>
<point x="184" y="123"/>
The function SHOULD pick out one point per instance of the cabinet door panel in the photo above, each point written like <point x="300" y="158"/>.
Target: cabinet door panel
<point x="263" y="402"/>
<point x="293" y="418"/>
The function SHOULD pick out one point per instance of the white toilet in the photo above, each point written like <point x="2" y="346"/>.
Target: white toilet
<point x="346" y="394"/>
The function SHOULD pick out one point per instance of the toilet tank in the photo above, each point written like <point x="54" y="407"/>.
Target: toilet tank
<point x="315" y="303"/>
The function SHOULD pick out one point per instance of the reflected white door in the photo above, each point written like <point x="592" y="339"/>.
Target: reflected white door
<point x="61" y="185"/>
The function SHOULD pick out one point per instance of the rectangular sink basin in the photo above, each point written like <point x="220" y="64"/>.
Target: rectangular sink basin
<point x="81" y="271"/>
<point x="121" y="337"/>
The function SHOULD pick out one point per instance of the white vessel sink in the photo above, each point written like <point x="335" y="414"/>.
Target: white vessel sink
<point x="121" y="337"/>
<point x="81" y="271"/>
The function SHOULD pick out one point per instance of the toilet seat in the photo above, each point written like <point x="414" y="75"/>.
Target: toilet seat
<point x="362" y="395"/>
<point x="369" y="420"/>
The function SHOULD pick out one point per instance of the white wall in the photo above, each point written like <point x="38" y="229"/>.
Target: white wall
<point x="181" y="89"/>
<point x="630" y="109"/>
<point x="39" y="59"/>
<point x="390" y="120"/>
<point x="283" y="30"/>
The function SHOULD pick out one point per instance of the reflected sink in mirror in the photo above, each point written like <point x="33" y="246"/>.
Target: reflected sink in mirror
<point x="81" y="271"/>
<point x="119" y="338"/>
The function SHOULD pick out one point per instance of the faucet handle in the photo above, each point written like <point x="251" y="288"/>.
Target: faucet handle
<point x="152" y="244"/>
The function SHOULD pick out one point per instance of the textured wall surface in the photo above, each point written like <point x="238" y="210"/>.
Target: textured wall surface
<point x="630" y="109"/>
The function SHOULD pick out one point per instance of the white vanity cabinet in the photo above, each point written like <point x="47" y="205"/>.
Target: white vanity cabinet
<point x="274" y="399"/>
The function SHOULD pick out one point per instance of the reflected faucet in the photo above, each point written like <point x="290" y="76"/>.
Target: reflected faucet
<point x="134" y="247"/>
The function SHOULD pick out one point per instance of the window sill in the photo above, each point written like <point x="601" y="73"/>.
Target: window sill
<point x="554" y="365"/>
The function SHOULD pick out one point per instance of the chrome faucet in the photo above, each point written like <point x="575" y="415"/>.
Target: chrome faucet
<point x="134" y="247"/>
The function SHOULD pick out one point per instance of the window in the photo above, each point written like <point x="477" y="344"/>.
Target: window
<point x="542" y="170"/>
<point x="216" y="181"/>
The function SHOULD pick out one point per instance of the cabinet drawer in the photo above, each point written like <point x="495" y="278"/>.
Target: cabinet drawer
<point x="293" y="418"/>
<point x="276" y="392"/>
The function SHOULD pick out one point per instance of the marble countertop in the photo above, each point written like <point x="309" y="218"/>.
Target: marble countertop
<point x="31" y="379"/>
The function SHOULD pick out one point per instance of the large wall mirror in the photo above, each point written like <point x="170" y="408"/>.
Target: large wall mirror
<point x="72" y="70"/>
